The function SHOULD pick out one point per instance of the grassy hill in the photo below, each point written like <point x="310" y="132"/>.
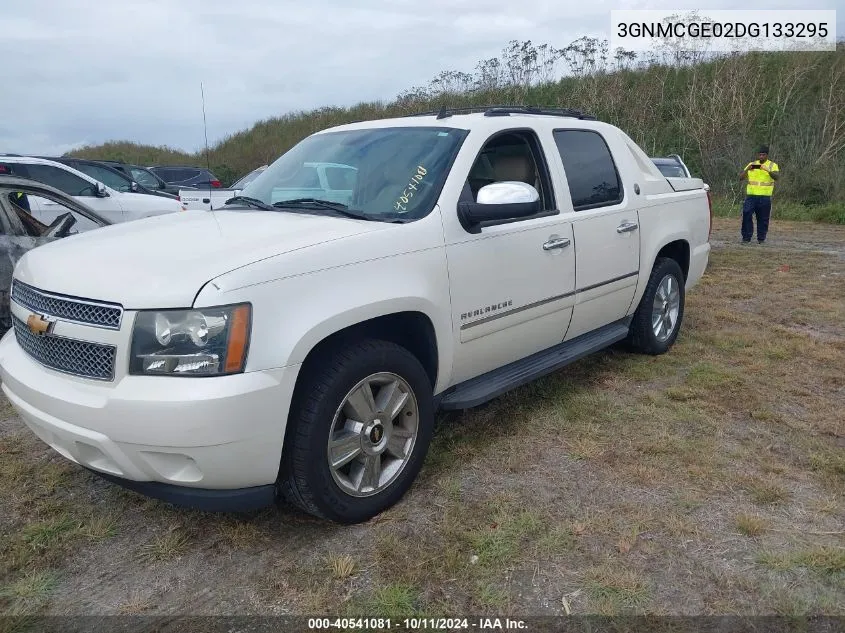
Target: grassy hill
<point x="713" y="112"/>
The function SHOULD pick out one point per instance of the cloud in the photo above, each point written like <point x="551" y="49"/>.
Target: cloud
<point x="90" y="71"/>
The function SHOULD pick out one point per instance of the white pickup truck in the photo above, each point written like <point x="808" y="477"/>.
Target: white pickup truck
<point x="299" y="348"/>
<point x="193" y="198"/>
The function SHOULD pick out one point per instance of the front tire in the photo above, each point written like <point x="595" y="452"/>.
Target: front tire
<point x="657" y="321"/>
<point x="359" y="429"/>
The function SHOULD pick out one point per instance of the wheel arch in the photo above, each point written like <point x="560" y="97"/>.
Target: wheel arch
<point x="675" y="246"/>
<point x="679" y="250"/>
<point x="411" y="329"/>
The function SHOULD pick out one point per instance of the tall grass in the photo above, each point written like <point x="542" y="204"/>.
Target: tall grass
<point x="714" y="113"/>
<point x="829" y="212"/>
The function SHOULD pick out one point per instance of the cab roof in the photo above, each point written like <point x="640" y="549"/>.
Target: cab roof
<point x="483" y="118"/>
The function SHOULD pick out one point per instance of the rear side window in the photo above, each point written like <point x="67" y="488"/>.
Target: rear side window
<point x="590" y="170"/>
<point x="13" y="169"/>
<point x="105" y="176"/>
<point x="61" y="180"/>
<point x="176" y="174"/>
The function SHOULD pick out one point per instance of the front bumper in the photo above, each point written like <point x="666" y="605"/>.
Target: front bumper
<point x="207" y="434"/>
<point x="234" y="500"/>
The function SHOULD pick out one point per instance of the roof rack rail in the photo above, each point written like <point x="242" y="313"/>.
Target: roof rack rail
<point x="507" y="110"/>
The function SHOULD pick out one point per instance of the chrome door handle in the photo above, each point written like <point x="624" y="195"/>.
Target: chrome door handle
<point x="627" y="227"/>
<point x="557" y="242"/>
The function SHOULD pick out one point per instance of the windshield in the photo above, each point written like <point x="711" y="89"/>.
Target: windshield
<point x="381" y="173"/>
<point x="243" y="182"/>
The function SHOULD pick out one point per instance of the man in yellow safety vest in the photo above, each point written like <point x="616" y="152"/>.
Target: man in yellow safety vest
<point x="761" y="175"/>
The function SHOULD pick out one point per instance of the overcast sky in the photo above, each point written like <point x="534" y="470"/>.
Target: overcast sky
<point x="87" y="71"/>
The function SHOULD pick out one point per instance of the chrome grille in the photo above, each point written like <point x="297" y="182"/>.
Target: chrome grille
<point x="79" y="310"/>
<point x="81" y="358"/>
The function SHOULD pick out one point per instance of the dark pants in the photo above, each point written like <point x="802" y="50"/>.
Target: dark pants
<point x="760" y="206"/>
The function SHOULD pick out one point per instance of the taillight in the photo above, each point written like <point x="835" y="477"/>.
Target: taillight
<point x="710" y="207"/>
<point x="216" y="184"/>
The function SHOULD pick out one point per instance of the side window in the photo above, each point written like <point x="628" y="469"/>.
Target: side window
<point x="14" y="169"/>
<point x="513" y="155"/>
<point x="61" y="180"/>
<point x="104" y="176"/>
<point x="171" y="174"/>
<point x="590" y="170"/>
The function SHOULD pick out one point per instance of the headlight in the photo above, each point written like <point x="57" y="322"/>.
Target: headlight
<point x="202" y="342"/>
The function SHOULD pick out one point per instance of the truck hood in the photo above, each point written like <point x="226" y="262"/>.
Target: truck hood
<point x="163" y="261"/>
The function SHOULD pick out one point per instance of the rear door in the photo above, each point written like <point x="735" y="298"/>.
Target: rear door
<point x="605" y="225"/>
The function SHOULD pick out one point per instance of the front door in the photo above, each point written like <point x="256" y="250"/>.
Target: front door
<point x="512" y="284"/>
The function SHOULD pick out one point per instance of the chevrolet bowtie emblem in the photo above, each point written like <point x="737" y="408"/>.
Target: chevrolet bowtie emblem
<point x="38" y="325"/>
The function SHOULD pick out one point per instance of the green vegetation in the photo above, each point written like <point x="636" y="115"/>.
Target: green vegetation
<point x="712" y="112"/>
<point x="830" y="212"/>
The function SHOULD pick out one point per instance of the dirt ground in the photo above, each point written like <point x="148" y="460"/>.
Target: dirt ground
<point x="710" y="480"/>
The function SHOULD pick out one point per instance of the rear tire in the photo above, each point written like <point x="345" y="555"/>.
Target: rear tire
<point x="658" y="318"/>
<point x="339" y="467"/>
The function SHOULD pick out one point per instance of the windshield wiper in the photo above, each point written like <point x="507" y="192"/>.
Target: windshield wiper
<point x="252" y="202"/>
<point x="328" y="205"/>
<point x="315" y="202"/>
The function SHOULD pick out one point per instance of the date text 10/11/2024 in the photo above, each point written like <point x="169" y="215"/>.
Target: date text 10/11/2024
<point x="417" y="624"/>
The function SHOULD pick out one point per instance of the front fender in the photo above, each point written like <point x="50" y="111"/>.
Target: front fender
<point x="292" y="315"/>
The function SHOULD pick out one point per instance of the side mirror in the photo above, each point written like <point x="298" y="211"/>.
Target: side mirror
<point x="101" y="191"/>
<point x="500" y="201"/>
<point x="134" y="186"/>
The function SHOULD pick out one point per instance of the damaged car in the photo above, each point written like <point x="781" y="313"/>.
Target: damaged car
<point x="20" y="231"/>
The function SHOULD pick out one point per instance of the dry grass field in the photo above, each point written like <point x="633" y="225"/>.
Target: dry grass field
<point x="710" y="480"/>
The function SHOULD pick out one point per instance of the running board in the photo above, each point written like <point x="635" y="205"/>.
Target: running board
<point x="493" y="384"/>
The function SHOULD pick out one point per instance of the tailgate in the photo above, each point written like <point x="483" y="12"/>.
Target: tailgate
<point x="206" y="199"/>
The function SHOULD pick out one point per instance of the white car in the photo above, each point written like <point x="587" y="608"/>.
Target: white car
<point x="116" y="206"/>
<point x="299" y="349"/>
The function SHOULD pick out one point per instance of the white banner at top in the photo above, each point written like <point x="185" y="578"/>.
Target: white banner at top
<point x="704" y="30"/>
